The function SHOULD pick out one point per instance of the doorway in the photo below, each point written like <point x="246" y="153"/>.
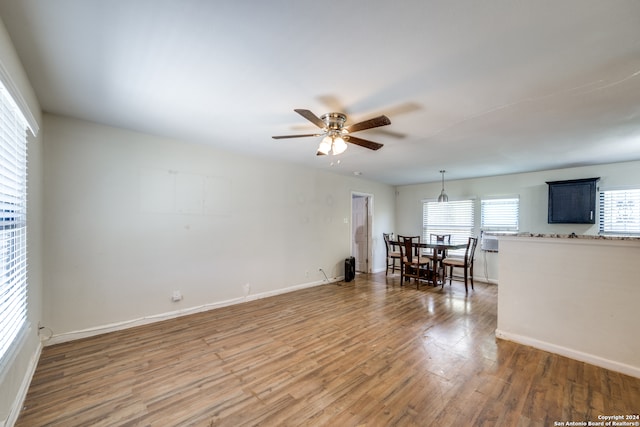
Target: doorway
<point x="361" y="225"/>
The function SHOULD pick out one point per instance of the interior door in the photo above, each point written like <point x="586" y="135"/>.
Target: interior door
<point x="360" y="224"/>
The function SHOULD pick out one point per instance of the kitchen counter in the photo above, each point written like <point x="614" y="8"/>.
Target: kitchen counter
<point x="566" y="236"/>
<point x="577" y="296"/>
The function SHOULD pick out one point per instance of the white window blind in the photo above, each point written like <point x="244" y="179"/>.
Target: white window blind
<point x="13" y="223"/>
<point x="620" y="211"/>
<point x="500" y="214"/>
<point x="455" y="218"/>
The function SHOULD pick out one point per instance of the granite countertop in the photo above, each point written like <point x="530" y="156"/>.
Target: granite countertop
<point x="567" y="236"/>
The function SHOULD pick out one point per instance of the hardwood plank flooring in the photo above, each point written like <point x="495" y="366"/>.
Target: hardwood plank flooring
<point x="364" y="353"/>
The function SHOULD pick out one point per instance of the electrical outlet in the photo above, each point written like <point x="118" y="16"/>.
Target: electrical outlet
<point x="176" y="296"/>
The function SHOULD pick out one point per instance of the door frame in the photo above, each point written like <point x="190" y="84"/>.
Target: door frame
<point x="369" y="256"/>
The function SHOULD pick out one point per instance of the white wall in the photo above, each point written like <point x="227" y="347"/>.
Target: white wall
<point x="15" y="377"/>
<point x="575" y="297"/>
<point x="533" y="191"/>
<point x="131" y="217"/>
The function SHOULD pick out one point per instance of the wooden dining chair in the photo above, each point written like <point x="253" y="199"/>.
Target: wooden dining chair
<point x="437" y="255"/>
<point x="465" y="263"/>
<point x="444" y="239"/>
<point x="393" y="255"/>
<point x="417" y="251"/>
<point x="412" y="264"/>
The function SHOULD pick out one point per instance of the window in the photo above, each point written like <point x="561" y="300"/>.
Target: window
<point x="500" y="214"/>
<point x="455" y="218"/>
<point x="620" y="211"/>
<point x="13" y="223"/>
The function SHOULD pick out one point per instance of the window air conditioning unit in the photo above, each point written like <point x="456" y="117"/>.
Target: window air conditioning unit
<point x="489" y="243"/>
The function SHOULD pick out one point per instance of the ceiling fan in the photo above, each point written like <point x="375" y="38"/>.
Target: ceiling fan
<point x="336" y="134"/>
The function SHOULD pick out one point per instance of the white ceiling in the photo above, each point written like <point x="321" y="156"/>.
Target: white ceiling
<point x="477" y="88"/>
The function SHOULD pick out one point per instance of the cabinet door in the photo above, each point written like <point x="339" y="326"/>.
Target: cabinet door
<point x="572" y="202"/>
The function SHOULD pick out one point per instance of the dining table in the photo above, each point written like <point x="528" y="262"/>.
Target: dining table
<point x="438" y="248"/>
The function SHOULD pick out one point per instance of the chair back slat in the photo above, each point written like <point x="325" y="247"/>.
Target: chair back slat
<point x="406" y="247"/>
<point x="473" y="249"/>
<point x="385" y="236"/>
<point x="444" y="239"/>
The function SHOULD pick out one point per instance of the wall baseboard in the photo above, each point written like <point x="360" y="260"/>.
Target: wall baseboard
<point x="18" y="402"/>
<point x="486" y="280"/>
<point x="113" y="327"/>
<point x="455" y="277"/>
<point x="612" y="365"/>
<point x="483" y="279"/>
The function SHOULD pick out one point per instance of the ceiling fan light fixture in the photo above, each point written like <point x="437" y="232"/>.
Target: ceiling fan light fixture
<point x="325" y="145"/>
<point x="443" y="196"/>
<point x="339" y="145"/>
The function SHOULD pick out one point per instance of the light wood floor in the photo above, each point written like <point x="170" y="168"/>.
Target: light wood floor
<point x="366" y="353"/>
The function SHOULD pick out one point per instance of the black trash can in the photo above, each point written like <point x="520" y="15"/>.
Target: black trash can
<point x="349" y="269"/>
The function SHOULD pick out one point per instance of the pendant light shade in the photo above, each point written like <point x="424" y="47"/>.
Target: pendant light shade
<point x="443" y="196"/>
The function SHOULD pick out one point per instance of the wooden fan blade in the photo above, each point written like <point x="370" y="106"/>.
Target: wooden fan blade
<point x="391" y="133"/>
<point x="363" y="142"/>
<point x="295" y="136"/>
<point x="320" y="154"/>
<point x="311" y="117"/>
<point x="333" y="103"/>
<point x="406" y="108"/>
<point x="368" y="124"/>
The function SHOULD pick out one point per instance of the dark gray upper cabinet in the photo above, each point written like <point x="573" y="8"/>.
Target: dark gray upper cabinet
<point x="572" y="201"/>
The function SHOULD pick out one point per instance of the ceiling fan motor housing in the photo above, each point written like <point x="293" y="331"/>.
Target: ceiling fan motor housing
<point x="334" y="121"/>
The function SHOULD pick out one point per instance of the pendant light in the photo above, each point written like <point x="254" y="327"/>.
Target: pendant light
<point x="443" y="196"/>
